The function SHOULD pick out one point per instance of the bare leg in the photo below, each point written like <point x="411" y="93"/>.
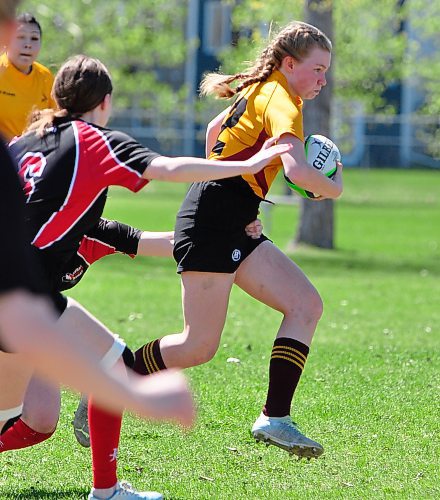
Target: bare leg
<point x="28" y="325"/>
<point x="86" y="328"/>
<point x="205" y="299"/>
<point x="269" y="276"/>
<point x="272" y="278"/>
<point x="41" y="407"/>
<point x="15" y="374"/>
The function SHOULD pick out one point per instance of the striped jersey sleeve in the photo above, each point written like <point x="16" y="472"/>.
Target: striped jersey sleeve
<point x="115" y="158"/>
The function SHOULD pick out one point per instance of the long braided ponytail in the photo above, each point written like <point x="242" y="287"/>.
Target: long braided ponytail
<point x="297" y="39"/>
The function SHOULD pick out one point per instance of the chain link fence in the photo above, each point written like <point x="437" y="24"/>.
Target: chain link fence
<point x="398" y="141"/>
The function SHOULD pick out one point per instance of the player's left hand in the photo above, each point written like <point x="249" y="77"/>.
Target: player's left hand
<point x="254" y="229"/>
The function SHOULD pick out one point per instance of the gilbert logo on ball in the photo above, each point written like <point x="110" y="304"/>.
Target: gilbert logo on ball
<point x="322" y="154"/>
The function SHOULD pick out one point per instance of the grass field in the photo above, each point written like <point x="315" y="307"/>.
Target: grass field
<point x="370" y="391"/>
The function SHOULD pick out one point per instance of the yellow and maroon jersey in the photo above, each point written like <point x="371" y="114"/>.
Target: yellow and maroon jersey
<point x="20" y="94"/>
<point x="260" y="111"/>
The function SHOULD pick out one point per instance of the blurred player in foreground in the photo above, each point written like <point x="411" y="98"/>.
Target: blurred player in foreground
<point x="27" y="320"/>
<point x="29" y="335"/>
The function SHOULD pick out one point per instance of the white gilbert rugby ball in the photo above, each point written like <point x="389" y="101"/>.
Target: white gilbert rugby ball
<point x="321" y="153"/>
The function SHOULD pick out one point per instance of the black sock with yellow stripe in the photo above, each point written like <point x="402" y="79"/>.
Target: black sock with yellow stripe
<point x="286" y="365"/>
<point x="148" y="359"/>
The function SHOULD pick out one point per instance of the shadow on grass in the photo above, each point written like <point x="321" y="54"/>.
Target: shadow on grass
<point x="46" y="493"/>
<point x="330" y="262"/>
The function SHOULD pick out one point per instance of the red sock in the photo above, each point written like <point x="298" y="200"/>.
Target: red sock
<point x="21" y="435"/>
<point x="105" y="429"/>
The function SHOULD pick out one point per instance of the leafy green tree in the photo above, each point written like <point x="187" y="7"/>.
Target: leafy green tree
<point x="368" y="47"/>
<point x="422" y="64"/>
<point x="143" y="44"/>
<point x="136" y="40"/>
<point x="375" y="44"/>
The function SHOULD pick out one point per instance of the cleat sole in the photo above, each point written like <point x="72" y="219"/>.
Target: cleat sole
<point x="301" y="451"/>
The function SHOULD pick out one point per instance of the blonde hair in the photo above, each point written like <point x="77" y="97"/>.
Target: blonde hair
<point x="297" y="39"/>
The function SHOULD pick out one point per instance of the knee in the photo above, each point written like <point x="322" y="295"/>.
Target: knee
<point x="41" y="425"/>
<point x="198" y="353"/>
<point x="309" y="308"/>
<point x="41" y="421"/>
<point x="315" y="306"/>
<point x="202" y="356"/>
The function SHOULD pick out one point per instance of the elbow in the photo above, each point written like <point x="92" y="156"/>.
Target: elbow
<point x="162" y="168"/>
<point x="337" y="183"/>
<point x="336" y="192"/>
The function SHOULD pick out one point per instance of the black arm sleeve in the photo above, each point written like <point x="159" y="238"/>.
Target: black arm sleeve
<point x="123" y="238"/>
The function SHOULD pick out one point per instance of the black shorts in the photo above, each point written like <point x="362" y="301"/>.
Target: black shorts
<point x="210" y="227"/>
<point x="47" y="275"/>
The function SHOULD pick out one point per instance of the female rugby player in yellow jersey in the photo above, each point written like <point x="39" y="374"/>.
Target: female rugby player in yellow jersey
<point x="24" y="83"/>
<point x="211" y="248"/>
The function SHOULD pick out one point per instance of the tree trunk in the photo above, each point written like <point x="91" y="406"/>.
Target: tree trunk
<point x="316" y="225"/>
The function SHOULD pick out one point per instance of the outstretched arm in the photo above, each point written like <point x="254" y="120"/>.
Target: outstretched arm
<point x="190" y="169"/>
<point x="156" y="244"/>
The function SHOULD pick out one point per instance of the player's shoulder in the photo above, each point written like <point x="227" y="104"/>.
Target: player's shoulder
<point x="273" y="91"/>
<point x="33" y="141"/>
<point x="115" y="136"/>
<point x="42" y="70"/>
<point x="279" y="88"/>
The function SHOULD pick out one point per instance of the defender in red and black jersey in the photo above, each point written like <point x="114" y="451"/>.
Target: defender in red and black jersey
<point x="28" y="326"/>
<point x="66" y="175"/>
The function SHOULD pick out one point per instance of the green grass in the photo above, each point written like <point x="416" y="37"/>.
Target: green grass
<point x="370" y="391"/>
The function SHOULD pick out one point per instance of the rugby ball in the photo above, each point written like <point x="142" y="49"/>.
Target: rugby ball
<point x="322" y="154"/>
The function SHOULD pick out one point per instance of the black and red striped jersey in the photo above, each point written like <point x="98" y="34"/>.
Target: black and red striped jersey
<point x="66" y="175"/>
